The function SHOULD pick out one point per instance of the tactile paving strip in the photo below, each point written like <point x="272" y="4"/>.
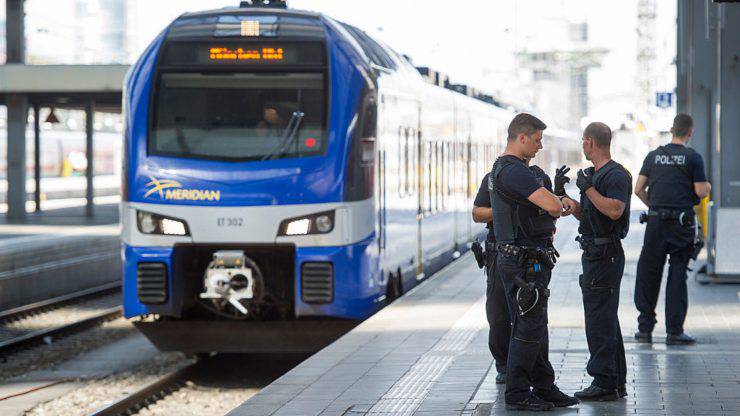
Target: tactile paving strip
<point x="410" y="390"/>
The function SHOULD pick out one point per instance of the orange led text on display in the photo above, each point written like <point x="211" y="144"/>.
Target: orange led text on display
<point x="242" y="54"/>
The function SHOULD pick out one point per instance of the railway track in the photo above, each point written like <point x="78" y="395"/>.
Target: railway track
<point x="46" y="321"/>
<point x="153" y="392"/>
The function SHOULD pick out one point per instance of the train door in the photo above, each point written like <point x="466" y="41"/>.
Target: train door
<point x="420" y="201"/>
<point x="382" y="200"/>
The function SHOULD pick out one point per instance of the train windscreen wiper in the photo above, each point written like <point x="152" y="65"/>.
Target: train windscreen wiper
<point x="289" y="135"/>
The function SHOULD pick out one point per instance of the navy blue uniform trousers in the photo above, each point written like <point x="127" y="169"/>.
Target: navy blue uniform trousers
<point x="662" y="238"/>
<point x="528" y="365"/>
<point x="497" y="313"/>
<point x="600" y="283"/>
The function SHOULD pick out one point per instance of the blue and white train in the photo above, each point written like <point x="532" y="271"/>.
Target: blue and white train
<point x="286" y="175"/>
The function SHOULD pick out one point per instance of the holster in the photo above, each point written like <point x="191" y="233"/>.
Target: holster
<point x="480" y="256"/>
<point x="596" y="248"/>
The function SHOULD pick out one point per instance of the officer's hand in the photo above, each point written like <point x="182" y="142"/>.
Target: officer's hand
<point x="568" y="206"/>
<point x="585" y="180"/>
<point x="561" y="180"/>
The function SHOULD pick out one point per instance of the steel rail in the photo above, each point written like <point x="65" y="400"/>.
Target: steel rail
<point x="152" y="392"/>
<point x="44" y="335"/>
<point x="57" y="302"/>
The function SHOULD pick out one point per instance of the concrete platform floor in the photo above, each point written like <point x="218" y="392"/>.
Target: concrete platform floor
<point x="427" y="353"/>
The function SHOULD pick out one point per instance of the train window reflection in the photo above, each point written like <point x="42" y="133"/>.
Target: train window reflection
<point x="242" y="116"/>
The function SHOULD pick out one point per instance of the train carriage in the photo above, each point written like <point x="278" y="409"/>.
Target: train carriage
<point x="287" y="176"/>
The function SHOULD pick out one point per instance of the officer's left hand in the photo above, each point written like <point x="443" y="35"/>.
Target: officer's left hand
<point x="560" y="180"/>
<point x="585" y="180"/>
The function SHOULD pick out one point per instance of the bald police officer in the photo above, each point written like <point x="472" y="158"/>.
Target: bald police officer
<point x="603" y="212"/>
<point x="671" y="182"/>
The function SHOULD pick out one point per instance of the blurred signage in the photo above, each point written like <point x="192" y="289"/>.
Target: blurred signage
<point x="664" y="99"/>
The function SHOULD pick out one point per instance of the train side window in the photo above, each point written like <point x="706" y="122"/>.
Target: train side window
<point x="429" y="161"/>
<point x="402" y="144"/>
<point x="409" y="152"/>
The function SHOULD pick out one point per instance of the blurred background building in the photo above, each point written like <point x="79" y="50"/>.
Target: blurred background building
<point x="568" y="61"/>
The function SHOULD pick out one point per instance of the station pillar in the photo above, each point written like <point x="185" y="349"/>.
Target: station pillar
<point x="17" y="113"/>
<point x="708" y="65"/>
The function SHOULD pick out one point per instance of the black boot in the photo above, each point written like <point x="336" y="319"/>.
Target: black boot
<point x="680" y="339"/>
<point x="501" y="378"/>
<point x="556" y="397"/>
<point x="622" y="390"/>
<point x="596" y="393"/>
<point x="531" y="403"/>
<point x="646" y="337"/>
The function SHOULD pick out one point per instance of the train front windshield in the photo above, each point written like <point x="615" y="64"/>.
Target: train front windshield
<point x="239" y="116"/>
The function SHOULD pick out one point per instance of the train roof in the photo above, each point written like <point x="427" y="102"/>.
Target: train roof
<point x="306" y="23"/>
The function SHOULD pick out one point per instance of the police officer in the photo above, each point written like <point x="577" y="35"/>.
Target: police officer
<point x="603" y="212"/>
<point x="671" y="182"/>
<point x="524" y="213"/>
<point x="497" y="311"/>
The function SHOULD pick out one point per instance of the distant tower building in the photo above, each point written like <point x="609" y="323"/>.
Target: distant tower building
<point x="559" y="77"/>
<point x="101" y="31"/>
<point x="646" y="20"/>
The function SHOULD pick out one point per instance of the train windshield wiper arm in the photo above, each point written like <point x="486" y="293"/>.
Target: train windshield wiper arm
<point x="289" y="134"/>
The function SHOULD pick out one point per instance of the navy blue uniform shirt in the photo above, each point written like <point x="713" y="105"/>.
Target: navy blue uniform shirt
<point x="616" y="184"/>
<point x="483" y="199"/>
<point x="671" y="176"/>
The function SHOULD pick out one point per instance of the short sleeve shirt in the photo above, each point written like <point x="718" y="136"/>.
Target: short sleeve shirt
<point x="671" y="174"/>
<point x="615" y="185"/>
<point x="483" y="198"/>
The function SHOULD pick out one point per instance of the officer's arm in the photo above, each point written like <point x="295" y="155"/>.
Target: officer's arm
<point x="612" y="208"/>
<point x="702" y="189"/>
<point x="641" y="188"/>
<point x="547" y="201"/>
<point x="482" y="214"/>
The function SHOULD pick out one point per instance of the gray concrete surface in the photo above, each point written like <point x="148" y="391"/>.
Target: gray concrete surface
<point x="427" y="353"/>
<point x="57" y="252"/>
<point x="54" y="382"/>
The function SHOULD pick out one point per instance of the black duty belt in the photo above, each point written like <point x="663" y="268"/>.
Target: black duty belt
<point x="588" y="242"/>
<point x="682" y="215"/>
<point x="523" y="254"/>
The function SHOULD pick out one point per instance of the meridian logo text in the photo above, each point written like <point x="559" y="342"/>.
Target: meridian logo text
<point x="169" y="189"/>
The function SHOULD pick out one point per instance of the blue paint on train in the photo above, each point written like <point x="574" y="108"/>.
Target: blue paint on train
<point x="417" y="185"/>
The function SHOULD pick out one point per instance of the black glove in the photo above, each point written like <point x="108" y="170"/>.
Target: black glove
<point x="585" y="179"/>
<point x="561" y="180"/>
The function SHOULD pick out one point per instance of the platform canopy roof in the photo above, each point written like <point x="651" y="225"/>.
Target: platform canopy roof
<point x="65" y="85"/>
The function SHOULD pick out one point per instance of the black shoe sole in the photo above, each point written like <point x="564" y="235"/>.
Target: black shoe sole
<point x="528" y="408"/>
<point x="644" y="340"/>
<point x="604" y="398"/>
<point x="564" y="404"/>
<point x="667" y="342"/>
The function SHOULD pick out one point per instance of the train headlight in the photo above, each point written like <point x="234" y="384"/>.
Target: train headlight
<point x="324" y="223"/>
<point x="150" y="223"/>
<point x="320" y="223"/>
<point x="298" y="227"/>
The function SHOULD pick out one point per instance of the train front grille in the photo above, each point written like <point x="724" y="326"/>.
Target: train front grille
<point x="152" y="283"/>
<point x="317" y="282"/>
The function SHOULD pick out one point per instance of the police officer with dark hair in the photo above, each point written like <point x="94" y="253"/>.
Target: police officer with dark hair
<point x="671" y="182"/>
<point x="603" y="212"/>
<point x="497" y="311"/>
<point x="524" y="213"/>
